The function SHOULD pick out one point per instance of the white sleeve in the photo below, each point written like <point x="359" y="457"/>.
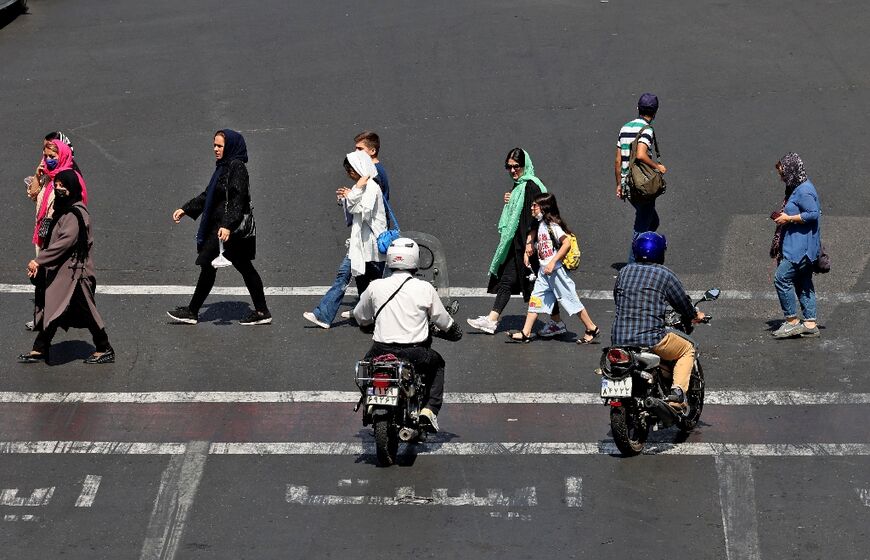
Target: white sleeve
<point x="437" y="313"/>
<point x="364" y="312"/>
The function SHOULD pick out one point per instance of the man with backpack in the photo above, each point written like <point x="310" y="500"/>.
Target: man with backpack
<point x="640" y="134"/>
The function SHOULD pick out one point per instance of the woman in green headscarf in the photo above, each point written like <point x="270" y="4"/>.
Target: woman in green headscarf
<point x="507" y="274"/>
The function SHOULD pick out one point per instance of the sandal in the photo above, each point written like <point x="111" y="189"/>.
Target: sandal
<point x="521" y="339"/>
<point x="593" y="333"/>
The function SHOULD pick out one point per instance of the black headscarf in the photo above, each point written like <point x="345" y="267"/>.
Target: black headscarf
<point x="65" y="205"/>
<point x="234" y="148"/>
<point x="793" y="173"/>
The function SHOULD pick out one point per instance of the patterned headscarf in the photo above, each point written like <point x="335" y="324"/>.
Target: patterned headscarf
<point x="792" y="170"/>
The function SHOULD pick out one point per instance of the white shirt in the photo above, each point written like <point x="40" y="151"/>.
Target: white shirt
<point x="546" y="250"/>
<point x="405" y="318"/>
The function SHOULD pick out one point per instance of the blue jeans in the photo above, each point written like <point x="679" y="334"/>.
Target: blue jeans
<point x="645" y="219"/>
<point x="796" y="277"/>
<point x="327" y="309"/>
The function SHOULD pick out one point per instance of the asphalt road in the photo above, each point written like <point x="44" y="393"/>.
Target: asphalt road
<point x="222" y="441"/>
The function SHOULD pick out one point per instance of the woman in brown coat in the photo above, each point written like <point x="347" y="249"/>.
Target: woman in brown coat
<point x="66" y="270"/>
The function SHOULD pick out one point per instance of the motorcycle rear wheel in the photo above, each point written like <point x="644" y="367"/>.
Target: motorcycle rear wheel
<point x="629" y="434"/>
<point x="695" y="399"/>
<point x="386" y="441"/>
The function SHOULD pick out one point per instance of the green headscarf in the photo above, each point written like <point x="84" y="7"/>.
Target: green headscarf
<point x="510" y="214"/>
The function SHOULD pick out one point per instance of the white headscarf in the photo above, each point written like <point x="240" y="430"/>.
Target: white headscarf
<point x="369" y="218"/>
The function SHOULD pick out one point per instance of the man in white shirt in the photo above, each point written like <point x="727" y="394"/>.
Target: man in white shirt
<point x="401" y="308"/>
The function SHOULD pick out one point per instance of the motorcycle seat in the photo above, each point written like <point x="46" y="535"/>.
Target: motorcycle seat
<point x="648" y="360"/>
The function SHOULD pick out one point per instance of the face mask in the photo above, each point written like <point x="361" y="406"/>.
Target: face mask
<point x="539" y="216"/>
<point x="51" y="163"/>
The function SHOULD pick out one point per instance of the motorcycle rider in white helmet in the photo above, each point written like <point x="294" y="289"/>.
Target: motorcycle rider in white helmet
<point x="401" y="308"/>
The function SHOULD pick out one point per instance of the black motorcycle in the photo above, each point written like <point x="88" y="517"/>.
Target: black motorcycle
<point x="392" y="396"/>
<point x="635" y="383"/>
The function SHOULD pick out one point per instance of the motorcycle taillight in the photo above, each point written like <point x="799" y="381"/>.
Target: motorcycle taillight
<point x="618" y="356"/>
<point x="381" y="380"/>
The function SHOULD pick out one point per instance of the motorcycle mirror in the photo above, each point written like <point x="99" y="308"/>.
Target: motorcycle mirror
<point x="712" y="294"/>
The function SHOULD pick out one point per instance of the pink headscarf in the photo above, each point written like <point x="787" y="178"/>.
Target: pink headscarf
<point x="64" y="162"/>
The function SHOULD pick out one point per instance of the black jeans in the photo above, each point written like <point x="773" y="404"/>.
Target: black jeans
<point x="208" y="274"/>
<point x="427" y="361"/>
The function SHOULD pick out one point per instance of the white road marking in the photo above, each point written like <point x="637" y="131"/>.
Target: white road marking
<point x="737" y="497"/>
<point x="178" y="487"/>
<point x="405" y="495"/>
<point x="574" y="491"/>
<point x="604" y="447"/>
<point x="13" y="517"/>
<point x="90" y="487"/>
<point x="39" y="497"/>
<point x="736" y="398"/>
<point x="864" y="495"/>
<point x="456" y="292"/>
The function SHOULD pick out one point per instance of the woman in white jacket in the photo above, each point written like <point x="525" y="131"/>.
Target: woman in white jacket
<point x="366" y="203"/>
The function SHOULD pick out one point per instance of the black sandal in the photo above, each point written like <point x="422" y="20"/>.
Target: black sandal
<point x="593" y="333"/>
<point x="522" y="339"/>
<point x="33" y="358"/>
<point x="107" y="357"/>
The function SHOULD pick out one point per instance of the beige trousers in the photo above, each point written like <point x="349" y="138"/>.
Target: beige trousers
<point x="675" y="347"/>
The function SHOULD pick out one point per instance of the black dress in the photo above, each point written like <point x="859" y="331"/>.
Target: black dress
<point x="232" y="199"/>
<point x="514" y="258"/>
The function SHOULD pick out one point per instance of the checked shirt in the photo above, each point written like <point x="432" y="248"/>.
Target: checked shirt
<point x="643" y="294"/>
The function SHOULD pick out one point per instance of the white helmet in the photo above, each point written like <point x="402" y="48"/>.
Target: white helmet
<point x="403" y="254"/>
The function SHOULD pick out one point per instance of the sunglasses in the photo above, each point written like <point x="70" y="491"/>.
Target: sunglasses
<point x="512" y="166"/>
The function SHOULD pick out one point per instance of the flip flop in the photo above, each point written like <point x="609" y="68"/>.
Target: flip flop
<point x="593" y="333"/>
<point x="522" y="339"/>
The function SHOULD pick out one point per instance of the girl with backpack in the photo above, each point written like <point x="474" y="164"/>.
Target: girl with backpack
<point x="549" y="237"/>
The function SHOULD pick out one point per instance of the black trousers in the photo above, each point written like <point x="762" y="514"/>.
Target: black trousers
<point x="46" y="335"/>
<point x="374" y="270"/>
<point x="427" y="361"/>
<point x="208" y="274"/>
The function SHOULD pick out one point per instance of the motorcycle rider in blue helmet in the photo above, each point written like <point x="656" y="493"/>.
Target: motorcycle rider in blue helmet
<point x="644" y="292"/>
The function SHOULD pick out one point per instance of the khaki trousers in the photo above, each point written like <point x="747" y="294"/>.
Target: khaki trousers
<point x="675" y="347"/>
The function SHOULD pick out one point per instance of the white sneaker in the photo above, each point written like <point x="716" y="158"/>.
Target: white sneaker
<point x="347" y="314"/>
<point x="552" y="328"/>
<point x="428" y="421"/>
<point x="28" y="326"/>
<point x="483" y="323"/>
<point x="308" y="315"/>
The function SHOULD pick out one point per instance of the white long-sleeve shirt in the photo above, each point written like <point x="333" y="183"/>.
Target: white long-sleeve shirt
<point x="405" y="318"/>
<point x="369" y="221"/>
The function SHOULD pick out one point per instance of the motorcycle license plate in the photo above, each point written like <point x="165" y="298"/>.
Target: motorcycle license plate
<point x="387" y="396"/>
<point x="611" y="388"/>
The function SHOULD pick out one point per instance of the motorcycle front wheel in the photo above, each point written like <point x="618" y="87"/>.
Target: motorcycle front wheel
<point x="629" y="434"/>
<point x="694" y="399"/>
<point x="386" y="441"/>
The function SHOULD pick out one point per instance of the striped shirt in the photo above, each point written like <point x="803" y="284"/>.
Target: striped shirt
<point x="627" y="134"/>
<point x="643" y="294"/>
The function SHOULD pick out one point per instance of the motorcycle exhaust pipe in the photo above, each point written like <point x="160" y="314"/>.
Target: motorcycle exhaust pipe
<point x="666" y="415"/>
<point x="407" y="434"/>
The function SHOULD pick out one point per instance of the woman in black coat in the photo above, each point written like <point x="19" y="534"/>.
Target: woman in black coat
<point x="222" y="206"/>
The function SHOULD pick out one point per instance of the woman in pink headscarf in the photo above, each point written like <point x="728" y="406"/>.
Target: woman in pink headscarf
<point x="57" y="157"/>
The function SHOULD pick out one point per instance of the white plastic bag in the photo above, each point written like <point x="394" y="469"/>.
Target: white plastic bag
<point x="221" y="261"/>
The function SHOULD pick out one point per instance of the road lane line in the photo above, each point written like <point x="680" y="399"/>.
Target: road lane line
<point x="737" y="497"/>
<point x="90" y="487"/>
<point x="178" y="487"/>
<point x="456" y="292"/>
<point x="864" y="495"/>
<point x="734" y="398"/>
<point x="39" y="497"/>
<point x="604" y="447"/>
<point x="574" y="491"/>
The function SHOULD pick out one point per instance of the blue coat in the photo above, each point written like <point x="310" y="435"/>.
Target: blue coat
<point x="802" y="240"/>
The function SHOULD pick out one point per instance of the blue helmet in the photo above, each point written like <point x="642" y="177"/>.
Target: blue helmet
<point x="650" y="247"/>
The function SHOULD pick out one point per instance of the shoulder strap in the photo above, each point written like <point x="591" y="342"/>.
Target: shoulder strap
<point x="378" y="312"/>
<point x="556" y="243"/>
<point x="633" y="149"/>
<point x="390" y="210"/>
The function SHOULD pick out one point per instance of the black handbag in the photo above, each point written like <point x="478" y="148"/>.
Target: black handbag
<point x="248" y="227"/>
<point x="822" y="265"/>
